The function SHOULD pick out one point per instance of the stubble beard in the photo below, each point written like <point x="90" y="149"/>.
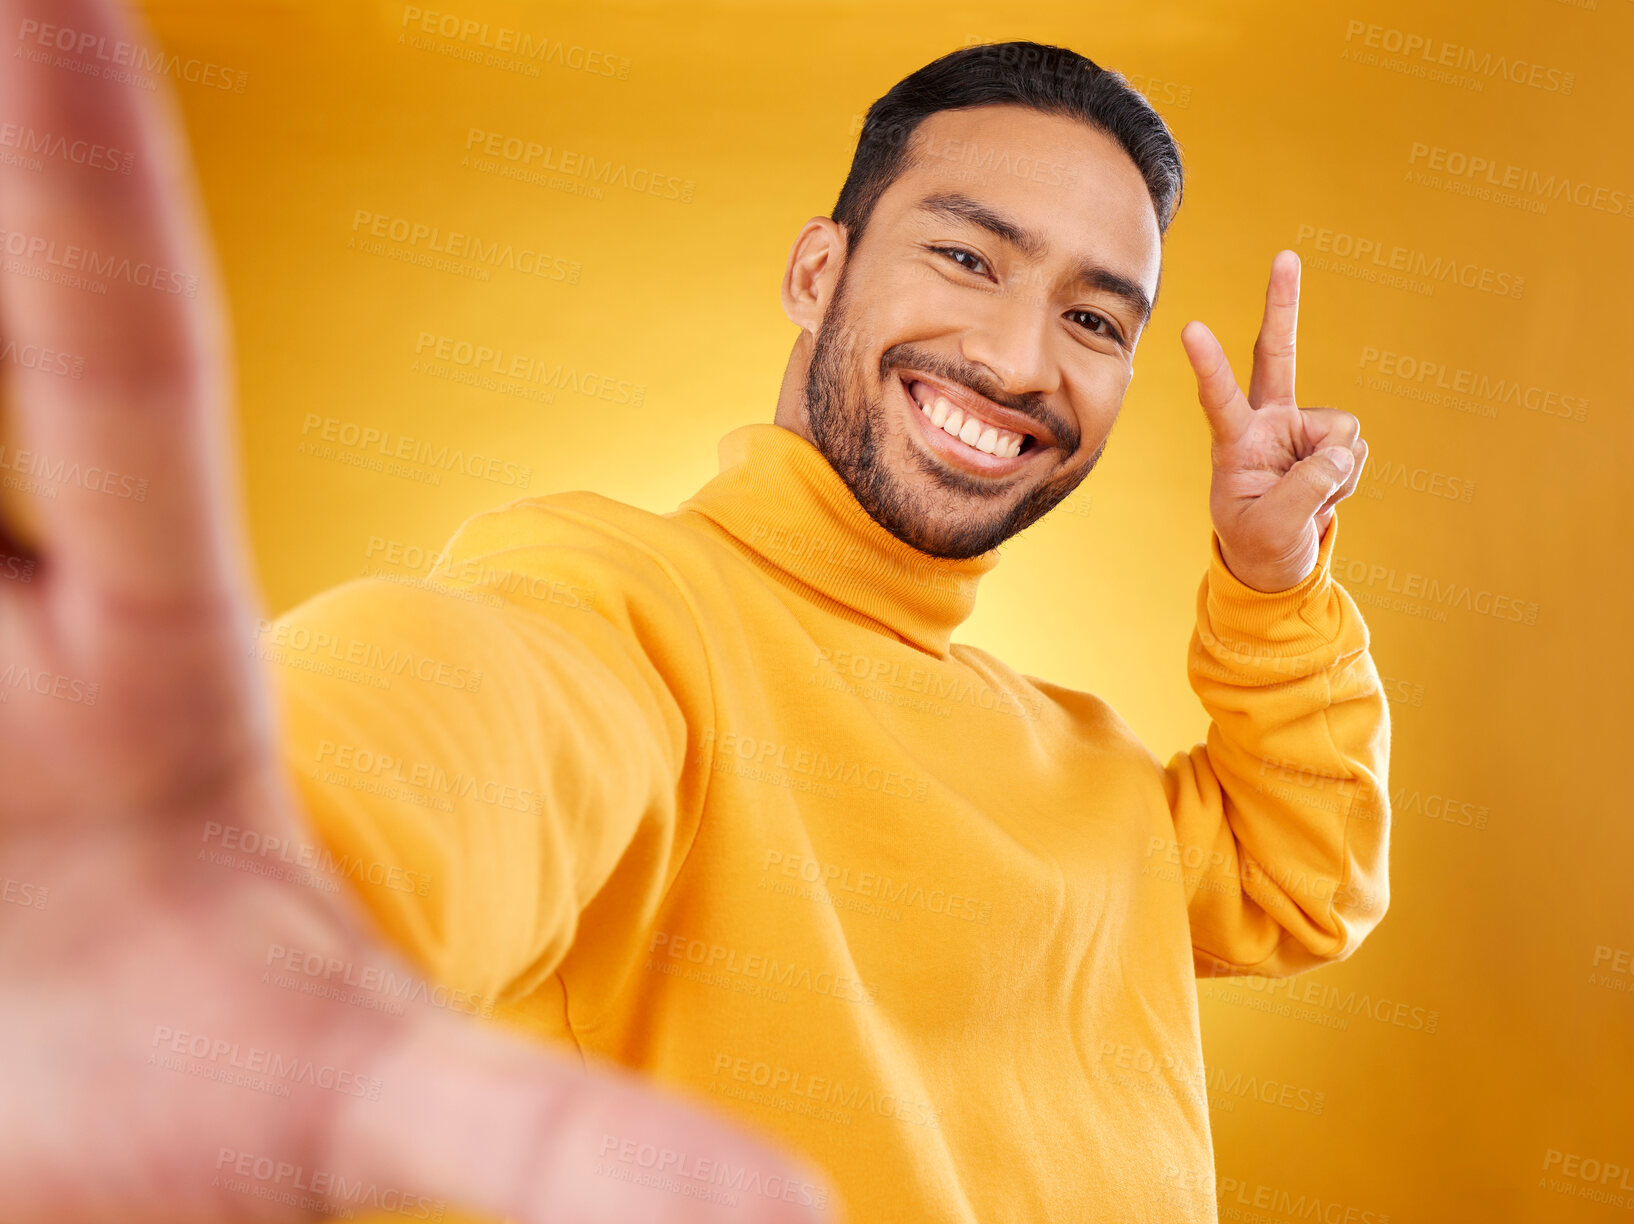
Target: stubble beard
<point x="956" y="521"/>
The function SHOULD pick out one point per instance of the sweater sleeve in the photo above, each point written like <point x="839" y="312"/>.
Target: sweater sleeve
<point x="482" y="752"/>
<point x="1281" y="818"/>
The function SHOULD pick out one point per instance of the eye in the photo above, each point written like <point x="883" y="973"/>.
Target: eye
<point x="1093" y="321"/>
<point x="959" y="255"/>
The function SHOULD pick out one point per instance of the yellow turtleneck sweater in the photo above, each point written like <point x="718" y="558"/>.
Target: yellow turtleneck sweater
<point x="711" y="794"/>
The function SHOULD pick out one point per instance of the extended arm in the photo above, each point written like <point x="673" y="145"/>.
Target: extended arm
<point x="145" y="1057"/>
<point x="481" y="753"/>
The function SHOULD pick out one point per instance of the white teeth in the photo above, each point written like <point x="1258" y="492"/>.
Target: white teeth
<point x="1000" y="443"/>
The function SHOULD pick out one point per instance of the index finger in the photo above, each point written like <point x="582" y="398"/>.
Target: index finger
<point x="1227" y="411"/>
<point x="108" y="265"/>
<point x="1273" y="378"/>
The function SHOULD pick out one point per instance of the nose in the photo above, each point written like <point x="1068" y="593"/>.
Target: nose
<point x="1012" y="339"/>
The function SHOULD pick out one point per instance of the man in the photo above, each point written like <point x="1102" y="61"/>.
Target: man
<point x="711" y="795"/>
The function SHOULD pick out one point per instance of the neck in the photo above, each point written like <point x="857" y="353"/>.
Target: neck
<point x="779" y="499"/>
<point x="791" y="396"/>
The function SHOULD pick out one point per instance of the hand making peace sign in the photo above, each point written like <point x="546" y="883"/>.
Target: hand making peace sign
<point x="1279" y="469"/>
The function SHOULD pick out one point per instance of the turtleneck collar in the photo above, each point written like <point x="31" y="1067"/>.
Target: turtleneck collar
<point x="777" y="496"/>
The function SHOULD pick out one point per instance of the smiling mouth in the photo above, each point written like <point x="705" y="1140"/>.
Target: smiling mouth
<point x="967" y="425"/>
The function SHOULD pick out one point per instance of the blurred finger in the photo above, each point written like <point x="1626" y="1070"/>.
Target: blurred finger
<point x="114" y="269"/>
<point x="483" y="1122"/>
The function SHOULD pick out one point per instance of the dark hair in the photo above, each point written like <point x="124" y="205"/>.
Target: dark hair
<point x="1049" y="79"/>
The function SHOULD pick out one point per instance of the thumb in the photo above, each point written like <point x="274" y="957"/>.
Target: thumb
<point x="1334" y="463"/>
<point x="479" y="1119"/>
<point x="1304" y="487"/>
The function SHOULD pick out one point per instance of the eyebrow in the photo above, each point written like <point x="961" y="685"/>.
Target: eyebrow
<point x="960" y="207"/>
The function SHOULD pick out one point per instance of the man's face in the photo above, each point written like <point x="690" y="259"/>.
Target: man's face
<point x="979" y="338"/>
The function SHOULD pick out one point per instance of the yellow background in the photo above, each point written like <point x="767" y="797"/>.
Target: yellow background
<point x="1523" y="728"/>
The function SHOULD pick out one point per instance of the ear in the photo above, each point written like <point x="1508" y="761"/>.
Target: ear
<point x="813" y="271"/>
